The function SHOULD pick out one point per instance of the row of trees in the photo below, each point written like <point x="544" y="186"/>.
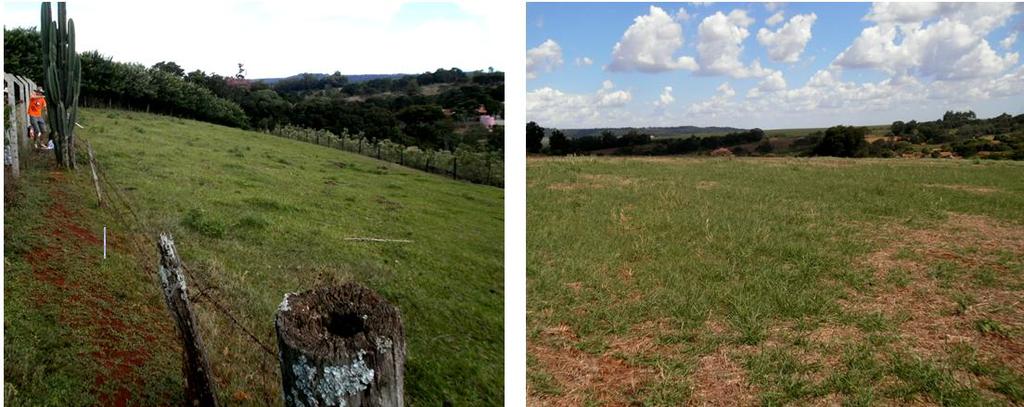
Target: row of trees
<point x="408" y="84"/>
<point x="396" y="111"/>
<point x="467" y="162"/>
<point x="559" y="144"/>
<point x="694" y="144"/>
<point x="956" y="127"/>
<point x="105" y="81"/>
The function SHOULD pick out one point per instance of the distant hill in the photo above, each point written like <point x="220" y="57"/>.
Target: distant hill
<point x="351" y="78"/>
<point x="657" y="132"/>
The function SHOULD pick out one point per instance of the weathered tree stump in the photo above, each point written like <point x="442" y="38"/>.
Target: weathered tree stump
<point x="199" y="383"/>
<point x="340" y="346"/>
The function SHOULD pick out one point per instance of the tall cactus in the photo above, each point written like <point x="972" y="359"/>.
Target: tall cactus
<point x="63" y="78"/>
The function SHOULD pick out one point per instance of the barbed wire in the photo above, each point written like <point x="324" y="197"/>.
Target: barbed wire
<point x="140" y="226"/>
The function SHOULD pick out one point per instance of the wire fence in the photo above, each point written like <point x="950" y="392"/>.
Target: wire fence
<point x="142" y="244"/>
<point x="481" y="167"/>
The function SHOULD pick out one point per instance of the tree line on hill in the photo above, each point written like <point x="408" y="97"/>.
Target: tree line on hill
<point x="962" y="133"/>
<point x="626" y="144"/>
<point x="395" y="109"/>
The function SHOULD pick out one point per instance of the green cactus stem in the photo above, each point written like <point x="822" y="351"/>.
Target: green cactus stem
<point x="62" y="79"/>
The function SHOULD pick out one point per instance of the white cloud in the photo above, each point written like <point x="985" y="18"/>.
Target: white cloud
<point x="726" y="90"/>
<point x="981" y="17"/>
<point x="770" y="84"/>
<point x="584" y="61"/>
<point x="546" y="57"/>
<point x="720" y="103"/>
<point x="682" y="15"/>
<point x="720" y="44"/>
<point x="1008" y="42"/>
<point x="649" y="43"/>
<point x="665" y="98"/>
<point x="786" y="44"/>
<point x="773" y="6"/>
<point x="946" y="49"/>
<point x="553" y="108"/>
<point x="828" y="98"/>
<point x="775" y="19"/>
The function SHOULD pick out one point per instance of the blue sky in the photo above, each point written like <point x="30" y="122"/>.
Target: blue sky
<point x="924" y="66"/>
<point x="281" y="38"/>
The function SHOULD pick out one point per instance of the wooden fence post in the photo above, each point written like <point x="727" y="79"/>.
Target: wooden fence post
<point x="92" y="165"/>
<point x="341" y="345"/>
<point x="455" y="167"/>
<point x="11" y="134"/>
<point x="200" y="387"/>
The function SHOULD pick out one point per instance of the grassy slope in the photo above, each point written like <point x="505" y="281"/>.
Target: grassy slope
<point x="748" y="244"/>
<point x="257" y="216"/>
<point x="79" y="330"/>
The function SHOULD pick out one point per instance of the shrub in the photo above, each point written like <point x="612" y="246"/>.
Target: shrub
<point x="843" y="141"/>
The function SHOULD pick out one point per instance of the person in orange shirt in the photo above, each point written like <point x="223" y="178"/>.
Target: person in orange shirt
<point x="36" y="104"/>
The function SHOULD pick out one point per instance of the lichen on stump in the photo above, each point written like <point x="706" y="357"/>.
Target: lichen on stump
<point x="340" y="346"/>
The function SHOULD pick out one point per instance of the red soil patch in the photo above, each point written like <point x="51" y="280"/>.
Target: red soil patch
<point x="720" y="381"/>
<point x="581" y="376"/>
<point x="934" y="322"/>
<point x="123" y="346"/>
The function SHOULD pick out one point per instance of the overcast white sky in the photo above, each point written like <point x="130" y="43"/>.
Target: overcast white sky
<point x="283" y="38"/>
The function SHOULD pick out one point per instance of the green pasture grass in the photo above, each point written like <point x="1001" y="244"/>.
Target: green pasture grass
<point x="767" y="248"/>
<point x="256" y="216"/>
<point x="73" y="316"/>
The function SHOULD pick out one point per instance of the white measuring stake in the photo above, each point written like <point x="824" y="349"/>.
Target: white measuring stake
<point x="104" y="242"/>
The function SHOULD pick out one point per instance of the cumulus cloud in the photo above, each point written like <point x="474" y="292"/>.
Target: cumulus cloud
<point x="939" y="41"/>
<point x="546" y="57"/>
<point x="726" y="90"/>
<point x="826" y="94"/>
<point x="584" y="61"/>
<point x="719" y="104"/>
<point x="775" y="19"/>
<point x="770" y="84"/>
<point x="720" y="44"/>
<point x="947" y="49"/>
<point x="682" y="15"/>
<point x="981" y="17"/>
<point x="1008" y="42"/>
<point x="607" y="97"/>
<point x="554" y="108"/>
<point x="665" y="98"/>
<point x="649" y="43"/>
<point x="787" y="43"/>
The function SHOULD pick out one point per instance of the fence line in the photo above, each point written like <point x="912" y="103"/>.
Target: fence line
<point x="385" y="385"/>
<point x="481" y="167"/>
<point x="17" y="91"/>
<point x="139" y="226"/>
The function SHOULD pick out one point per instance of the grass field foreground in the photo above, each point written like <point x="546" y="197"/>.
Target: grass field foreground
<point x="256" y="216"/>
<point x="663" y="281"/>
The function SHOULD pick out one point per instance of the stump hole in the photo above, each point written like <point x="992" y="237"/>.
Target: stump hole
<point x="345" y="325"/>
